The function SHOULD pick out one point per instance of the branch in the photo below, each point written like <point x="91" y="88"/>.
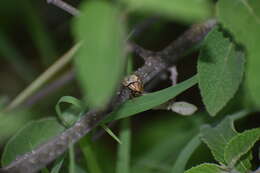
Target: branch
<point x="65" y="6"/>
<point x="186" y="43"/>
<point x="143" y="53"/>
<point x="50" y="88"/>
<point x="46" y="153"/>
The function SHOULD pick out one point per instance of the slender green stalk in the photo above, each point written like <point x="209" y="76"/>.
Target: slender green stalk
<point x="123" y="155"/>
<point x="72" y="163"/>
<point x="58" y="164"/>
<point x="43" y="78"/>
<point x="89" y="154"/>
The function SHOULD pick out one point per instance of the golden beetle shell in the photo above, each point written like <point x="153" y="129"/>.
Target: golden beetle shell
<point x="134" y="83"/>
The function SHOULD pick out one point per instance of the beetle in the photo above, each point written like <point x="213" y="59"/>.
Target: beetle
<point x="134" y="83"/>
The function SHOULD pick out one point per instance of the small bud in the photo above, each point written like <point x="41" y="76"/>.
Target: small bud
<point x="183" y="108"/>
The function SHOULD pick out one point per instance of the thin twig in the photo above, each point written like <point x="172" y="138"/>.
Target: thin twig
<point x="65" y="6"/>
<point x="174" y="74"/>
<point x="35" y="160"/>
<point x="187" y="42"/>
<point x="50" y="88"/>
<point x="42" y="79"/>
<point x="143" y="53"/>
<point x="143" y="25"/>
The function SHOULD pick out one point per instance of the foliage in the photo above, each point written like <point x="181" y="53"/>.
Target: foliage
<point x="163" y="141"/>
<point x="249" y="21"/>
<point x="220" y="69"/>
<point x="29" y="137"/>
<point x="100" y="60"/>
<point x="150" y="101"/>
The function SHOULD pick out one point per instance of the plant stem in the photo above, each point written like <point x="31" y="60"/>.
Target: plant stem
<point x="72" y="159"/>
<point x="152" y="67"/>
<point x="43" y="78"/>
<point x="88" y="151"/>
<point x="65" y="6"/>
<point x="123" y="155"/>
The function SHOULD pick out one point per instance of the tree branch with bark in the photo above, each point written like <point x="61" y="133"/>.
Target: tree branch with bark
<point x="155" y="62"/>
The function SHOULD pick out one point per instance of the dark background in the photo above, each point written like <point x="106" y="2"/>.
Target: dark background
<point x="33" y="34"/>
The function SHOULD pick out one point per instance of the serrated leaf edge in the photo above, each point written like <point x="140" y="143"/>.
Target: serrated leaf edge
<point x="205" y="164"/>
<point x="207" y="143"/>
<point x="236" y="158"/>
<point x="199" y="81"/>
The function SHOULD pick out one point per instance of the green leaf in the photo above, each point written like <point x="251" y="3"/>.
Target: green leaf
<point x="220" y="70"/>
<point x="13" y="121"/>
<point x="205" y="168"/>
<point x="217" y="137"/>
<point x="57" y="165"/>
<point x="244" y="164"/>
<point x="149" y="101"/>
<point x="183" y="158"/>
<point x="71" y="115"/>
<point x="29" y="137"/>
<point x="123" y="155"/>
<point x="111" y="133"/>
<point x="100" y="60"/>
<point x="240" y="145"/>
<point x="248" y="20"/>
<point x="182" y="10"/>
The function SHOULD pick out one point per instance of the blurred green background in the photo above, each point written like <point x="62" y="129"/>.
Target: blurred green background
<point x="33" y="34"/>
